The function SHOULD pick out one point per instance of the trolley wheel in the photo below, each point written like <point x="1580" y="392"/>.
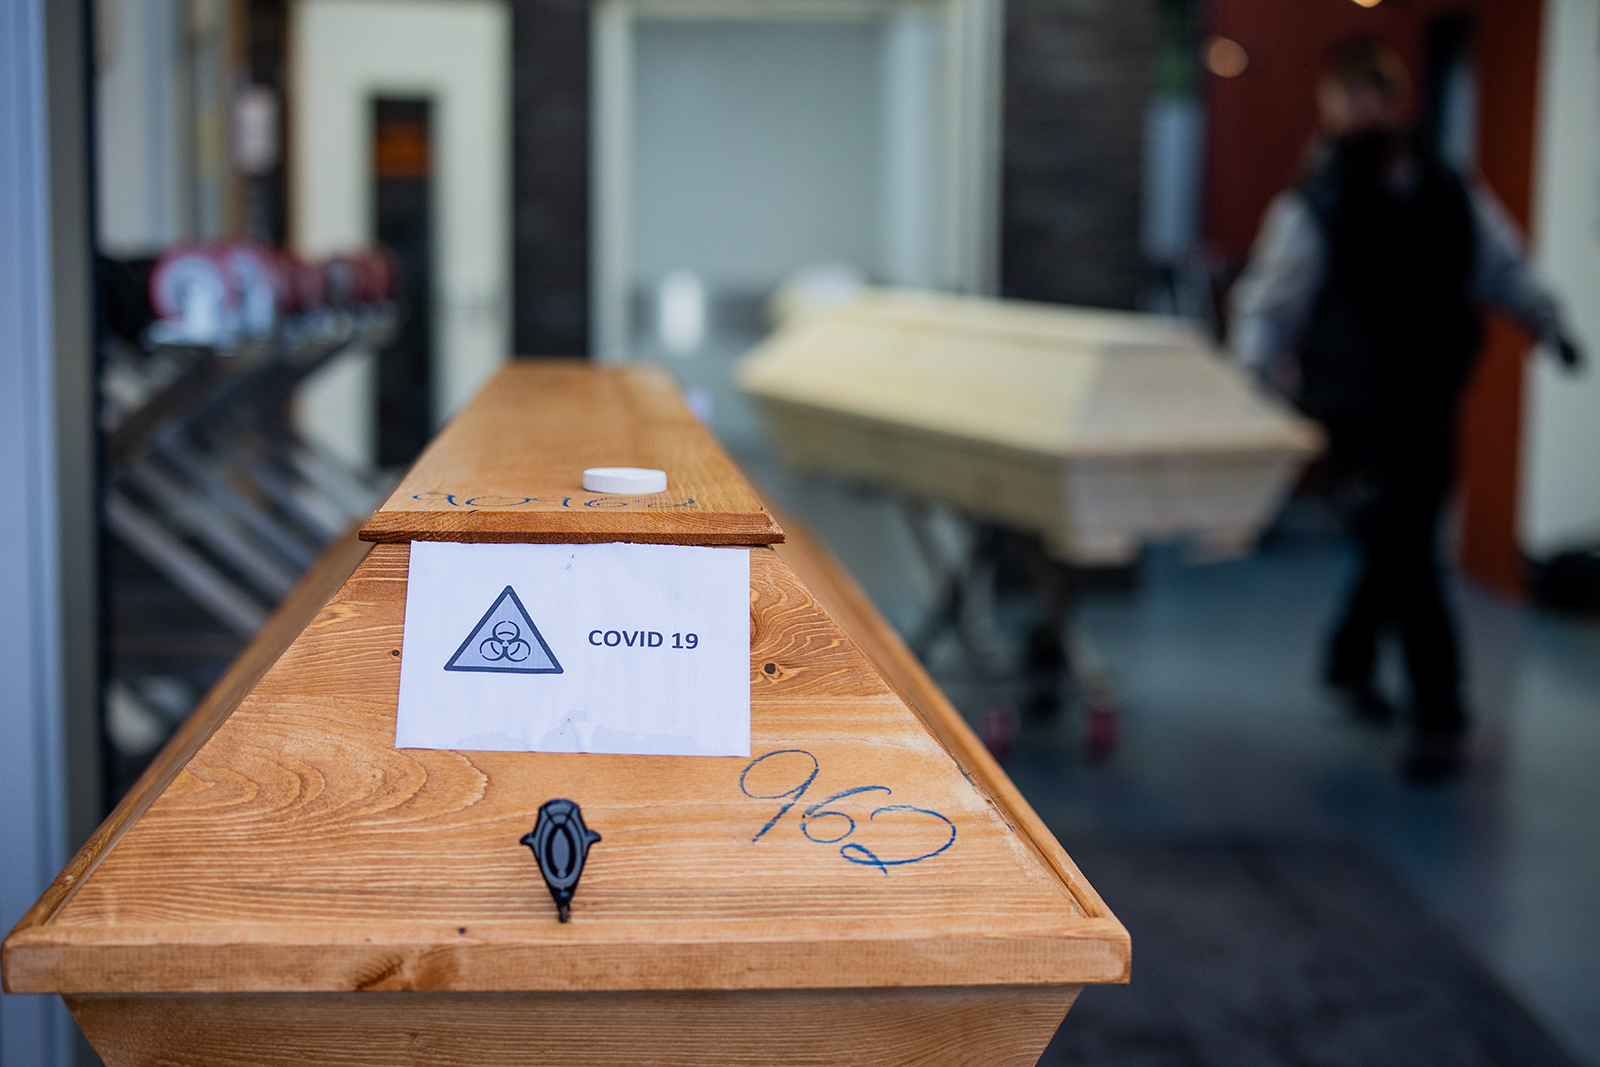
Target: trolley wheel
<point x="998" y="729"/>
<point x="1100" y="739"/>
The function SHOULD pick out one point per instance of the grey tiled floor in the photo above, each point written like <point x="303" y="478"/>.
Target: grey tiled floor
<point x="1224" y="731"/>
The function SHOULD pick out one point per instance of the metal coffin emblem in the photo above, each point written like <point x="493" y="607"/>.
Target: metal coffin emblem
<point x="560" y="842"/>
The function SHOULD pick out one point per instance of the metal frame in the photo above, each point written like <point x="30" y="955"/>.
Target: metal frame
<point x="33" y="647"/>
<point x="211" y="486"/>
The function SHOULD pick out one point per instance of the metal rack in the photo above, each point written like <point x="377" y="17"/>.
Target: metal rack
<point x="214" y="506"/>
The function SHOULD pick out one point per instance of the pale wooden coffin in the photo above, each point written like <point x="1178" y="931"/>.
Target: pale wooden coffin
<point x="1098" y="430"/>
<point x="285" y="887"/>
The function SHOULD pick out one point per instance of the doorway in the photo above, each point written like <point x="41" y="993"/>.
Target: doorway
<point x="738" y="140"/>
<point x="402" y="199"/>
<point x="347" y="58"/>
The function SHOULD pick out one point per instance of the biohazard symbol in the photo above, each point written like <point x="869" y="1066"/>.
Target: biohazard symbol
<point x="505" y="641"/>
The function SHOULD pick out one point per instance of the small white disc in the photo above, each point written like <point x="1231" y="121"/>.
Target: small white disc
<point x="624" y="480"/>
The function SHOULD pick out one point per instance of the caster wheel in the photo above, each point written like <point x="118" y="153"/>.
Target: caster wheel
<point x="1101" y="738"/>
<point x="1044" y="703"/>
<point x="997" y="727"/>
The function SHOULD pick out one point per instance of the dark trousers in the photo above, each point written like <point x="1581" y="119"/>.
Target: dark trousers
<point x="1399" y="470"/>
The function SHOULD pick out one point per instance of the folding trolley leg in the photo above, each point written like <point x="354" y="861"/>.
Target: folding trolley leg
<point x="1061" y="656"/>
<point x="964" y="598"/>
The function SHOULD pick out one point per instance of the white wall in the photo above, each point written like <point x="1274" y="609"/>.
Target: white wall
<point x="140" y="141"/>
<point x="758" y="148"/>
<point x="458" y="52"/>
<point x="743" y="138"/>
<point x="913" y="137"/>
<point x="765" y="145"/>
<point x="1174" y="157"/>
<point x="1561" y="437"/>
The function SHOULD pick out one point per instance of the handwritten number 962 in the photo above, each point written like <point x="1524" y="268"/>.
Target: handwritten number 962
<point x="827" y="825"/>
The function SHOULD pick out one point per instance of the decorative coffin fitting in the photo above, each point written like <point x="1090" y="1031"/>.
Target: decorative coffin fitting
<point x="1099" y="430"/>
<point x="284" y="886"/>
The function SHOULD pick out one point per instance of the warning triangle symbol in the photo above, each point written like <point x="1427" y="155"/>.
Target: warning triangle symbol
<point x="505" y="641"/>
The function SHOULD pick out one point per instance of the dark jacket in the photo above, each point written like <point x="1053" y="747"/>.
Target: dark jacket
<point x="1394" y="327"/>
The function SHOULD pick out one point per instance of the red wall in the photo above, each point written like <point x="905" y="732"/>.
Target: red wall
<point x="1491" y="422"/>
<point x="1259" y="125"/>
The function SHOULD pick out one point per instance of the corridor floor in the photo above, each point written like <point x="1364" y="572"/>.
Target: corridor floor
<point x="1224" y="732"/>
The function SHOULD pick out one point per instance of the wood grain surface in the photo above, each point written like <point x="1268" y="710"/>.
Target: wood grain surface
<point x="995" y="1027"/>
<point x="299" y="851"/>
<point x="320" y="582"/>
<point x="510" y="466"/>
<point x="827" y="580"/>
<point x="1059" y="382"/>
<point x="1015" y="486"/>
<point x="1097" y="430"/>
<point x="1026" y="321"/>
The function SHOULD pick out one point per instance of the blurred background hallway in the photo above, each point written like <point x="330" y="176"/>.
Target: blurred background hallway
<point x="258" y="252"/>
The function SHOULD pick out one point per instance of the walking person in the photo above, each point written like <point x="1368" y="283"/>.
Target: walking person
<point x="1362" y="301"/>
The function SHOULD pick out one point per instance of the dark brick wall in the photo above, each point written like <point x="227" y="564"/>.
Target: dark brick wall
<point x="550" y="176"/>
<point x="1077" y="77"/>
<point x="1077" y="74"/>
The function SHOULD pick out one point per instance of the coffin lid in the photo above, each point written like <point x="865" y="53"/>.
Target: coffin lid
<point x="510" y="466"/>
<point x="282" y="844"/>
<point x="1050" y="380"/>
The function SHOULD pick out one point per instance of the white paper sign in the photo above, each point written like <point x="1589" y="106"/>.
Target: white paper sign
<point x="617" y="648"/>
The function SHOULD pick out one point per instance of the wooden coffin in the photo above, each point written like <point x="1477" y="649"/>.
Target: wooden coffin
<point x="285" y="887"/>
<point x="1099" y="430"/>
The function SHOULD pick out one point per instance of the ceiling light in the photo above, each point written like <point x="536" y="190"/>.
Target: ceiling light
<point x="1226" y="58"/>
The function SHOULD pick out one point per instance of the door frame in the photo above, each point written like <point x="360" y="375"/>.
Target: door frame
<point x="968" y="178"/>
<point x="331" y="87"/>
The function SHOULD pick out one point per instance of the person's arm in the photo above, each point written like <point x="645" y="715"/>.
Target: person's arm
<point x="1271" y="300"/>
<point x="1501" y="275"/>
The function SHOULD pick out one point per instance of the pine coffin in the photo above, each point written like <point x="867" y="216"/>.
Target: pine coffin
<point x="1098" y="430"/>
<point x="284" y="886"/>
